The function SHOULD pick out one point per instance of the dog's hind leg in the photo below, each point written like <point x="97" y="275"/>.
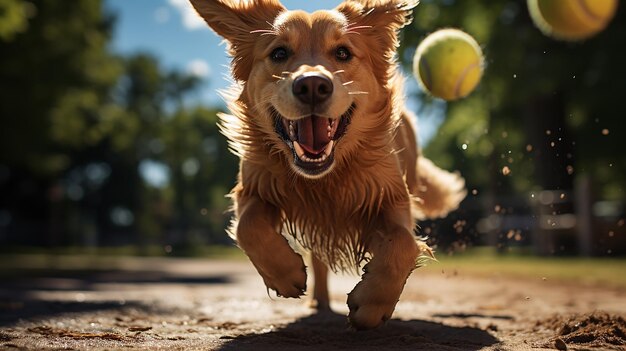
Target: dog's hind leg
<point x="436" y="191"/>
<point x="320" y="300"/>
<point x="256" y="232"/>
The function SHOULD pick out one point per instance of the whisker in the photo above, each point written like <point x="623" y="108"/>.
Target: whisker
<point x="349" y="28"/>
<point x="348" y="83"/>
<point x="264" y="32"/>
<point x="339" y="71"/>
<point x="272" y="25"/>
<point x="285" y="72"/>
<point x="358" y="93"/>
<point x="355" y="29"/>
<point x="278" y="77"/>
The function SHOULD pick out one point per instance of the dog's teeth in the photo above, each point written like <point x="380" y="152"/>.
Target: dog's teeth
<point x="329" y="148"/>
<point x="299" y="150"/>
<point x="292" y="131"/>
<point x="302" y="156"/>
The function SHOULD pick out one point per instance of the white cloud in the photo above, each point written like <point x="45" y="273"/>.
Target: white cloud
<point x="162" y="15"/>
<point x="191" y="19"/>
<point x="199" y="68"/>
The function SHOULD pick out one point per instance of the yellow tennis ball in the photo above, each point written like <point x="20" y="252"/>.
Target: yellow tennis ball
<point x="448" y="64"/>
<point x="572" y="19"/>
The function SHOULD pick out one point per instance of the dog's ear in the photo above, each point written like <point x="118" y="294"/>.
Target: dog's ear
<point x="380" y="21"/>
<point x="236" y="21"/>
<point x="391" y="14"/>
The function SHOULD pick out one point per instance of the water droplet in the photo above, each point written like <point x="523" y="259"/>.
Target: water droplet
<point x="506" y="170"/>
<point x="464" y="146"/>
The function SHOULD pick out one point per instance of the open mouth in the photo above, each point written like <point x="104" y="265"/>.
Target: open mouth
<point x="312" y="139"/>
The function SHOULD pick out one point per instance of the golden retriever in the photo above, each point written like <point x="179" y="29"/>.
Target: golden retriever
<point x="328" y="153"/>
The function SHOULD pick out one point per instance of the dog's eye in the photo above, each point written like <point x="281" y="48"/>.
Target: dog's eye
<point x="279" y="54"/>
<point x="343" y="54"/>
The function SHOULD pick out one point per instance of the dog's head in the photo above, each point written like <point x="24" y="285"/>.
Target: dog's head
<point x="312" y="80"/>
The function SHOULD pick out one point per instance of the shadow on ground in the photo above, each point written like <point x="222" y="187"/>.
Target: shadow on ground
<point x="330" y="331"/>
<point x="13" y="311"/>
<point x="20" y="290"/>
<point x="60" y="280"/>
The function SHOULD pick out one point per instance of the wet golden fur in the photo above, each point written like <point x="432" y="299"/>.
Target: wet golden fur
<point x="378" y="184"/>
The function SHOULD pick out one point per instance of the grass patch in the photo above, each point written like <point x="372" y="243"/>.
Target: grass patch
<point x="29" y="261"/>
<point x="487" y="262"/>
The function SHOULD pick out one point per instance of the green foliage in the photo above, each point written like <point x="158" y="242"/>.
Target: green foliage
<point x="14" y="15"/>
<point x="536" y="91"/>
<point x="78" y="125"/>
<point x="57" y="66"/>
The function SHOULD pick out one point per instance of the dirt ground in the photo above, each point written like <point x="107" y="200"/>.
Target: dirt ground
<point x="183" y="304"/>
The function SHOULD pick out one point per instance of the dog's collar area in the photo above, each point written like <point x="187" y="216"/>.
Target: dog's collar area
<point x="312" y="139"/>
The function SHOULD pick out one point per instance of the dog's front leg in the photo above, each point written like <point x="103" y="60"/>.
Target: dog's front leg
<point x="394" y="253"/>
<point x="257" y="234"/>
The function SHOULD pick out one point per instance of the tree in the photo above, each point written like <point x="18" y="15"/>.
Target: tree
<point x="545" y="115"/>
<point x="56" y="73"/>
<point x="546" y="109"/>
<point x="77" y="126"/>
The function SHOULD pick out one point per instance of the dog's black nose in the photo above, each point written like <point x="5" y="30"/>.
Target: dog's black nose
<point x="312" y="88"/>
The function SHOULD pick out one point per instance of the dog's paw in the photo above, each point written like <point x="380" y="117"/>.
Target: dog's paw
<point x="372" y="302"/>
<point x="283" y="272"/>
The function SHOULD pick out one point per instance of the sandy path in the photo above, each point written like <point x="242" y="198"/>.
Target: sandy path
<point x="165" y="304"/>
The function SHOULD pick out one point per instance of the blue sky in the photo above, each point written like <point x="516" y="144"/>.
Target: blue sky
<point x="170" y="30"/>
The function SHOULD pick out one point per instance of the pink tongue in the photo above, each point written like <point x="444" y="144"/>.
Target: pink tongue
<point x="313" y="134"/>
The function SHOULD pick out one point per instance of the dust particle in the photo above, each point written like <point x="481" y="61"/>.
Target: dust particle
<point x="560" y="344"/>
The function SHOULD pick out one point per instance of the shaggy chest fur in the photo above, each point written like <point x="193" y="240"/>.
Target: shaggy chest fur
<point x="334" y="217"/>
